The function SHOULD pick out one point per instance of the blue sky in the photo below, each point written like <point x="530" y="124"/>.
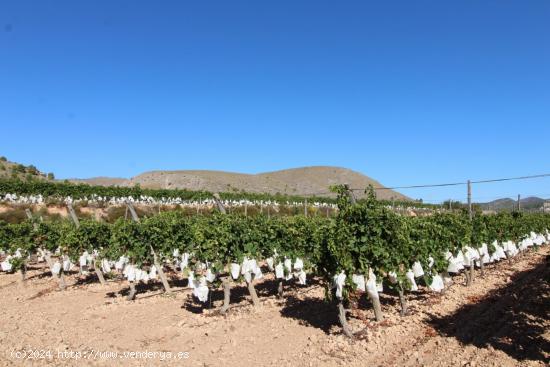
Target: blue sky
<point x="407" y="92"/>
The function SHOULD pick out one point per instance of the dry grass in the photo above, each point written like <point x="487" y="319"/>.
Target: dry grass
<point x="297" y="181"/>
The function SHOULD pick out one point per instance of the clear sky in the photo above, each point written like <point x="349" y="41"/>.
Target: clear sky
<point x="407" y="92"/>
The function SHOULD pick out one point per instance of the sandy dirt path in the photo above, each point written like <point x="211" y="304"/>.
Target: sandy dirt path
<point x="502" y="320"/>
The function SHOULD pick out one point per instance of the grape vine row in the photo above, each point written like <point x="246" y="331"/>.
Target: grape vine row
<point x="366" y="248"/>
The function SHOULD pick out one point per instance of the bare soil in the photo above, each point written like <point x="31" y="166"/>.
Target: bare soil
<point x="501" y="320"/>
<point x="295" y="181"/>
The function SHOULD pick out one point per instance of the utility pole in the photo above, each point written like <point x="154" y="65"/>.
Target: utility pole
<point x="470" y="199"/>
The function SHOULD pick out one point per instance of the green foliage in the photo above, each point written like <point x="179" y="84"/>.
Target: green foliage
<point x="363" y="236"/>
<point x="367" y="236"/>
<point x="78" y="191"/>
<point x="15" y="215"/>
<point x="19" y="237"/>
<point x="32" y="170"/>
<point x="19" y="168"/>
<point x="48" y="236"/>
<point x="89" y="236"/>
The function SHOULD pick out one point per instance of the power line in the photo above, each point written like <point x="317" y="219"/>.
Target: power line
<point x="459" y="183"/>
<point x="417" y="186"/>
<point x="513" y="178"/>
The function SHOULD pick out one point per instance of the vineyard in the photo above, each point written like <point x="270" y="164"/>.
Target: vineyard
<point x="366" y="248"/>
<point x="38" y="192"/>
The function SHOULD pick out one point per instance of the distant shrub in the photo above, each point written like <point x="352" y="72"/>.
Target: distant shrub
<point x="14" y="216"/>
<point x="19" y="168"/>
<point x="82" y="215"/>
<point x="83" y="204"/>
<point x="3" y="159"/>
<point x="51" y="176"/>
<point x="33" y="170"/>
<point x="113" y="213"/>
<point x="56" y="201"/>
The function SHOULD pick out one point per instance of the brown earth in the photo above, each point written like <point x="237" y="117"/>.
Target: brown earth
<point x="315" y="180"/>
<point x="297" y="181"/>
<point x="101" y="181"/>
<point x="8" y="169"/>
<point x="501" y="320"/>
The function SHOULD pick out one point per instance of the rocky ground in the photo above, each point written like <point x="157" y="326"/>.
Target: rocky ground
<point x="501" y="320"/>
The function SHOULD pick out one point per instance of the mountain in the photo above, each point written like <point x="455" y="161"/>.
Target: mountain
<point x="297" y="181"/>
<point x="301" y="181"/>
<point x="10" y="169"/>
<point x="101" y="181"/>
<point x="531" y="202"/>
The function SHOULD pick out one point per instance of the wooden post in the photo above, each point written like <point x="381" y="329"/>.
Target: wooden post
<point x="132" y="293"/>
<point x="375" y="299"/>
<point x="342" y="317"/>
<point x="305" y="207"/>
<point x="350" y="195"/>
<point x="253" y="294"/>
<point x="162" y="276"/>
<point x="133" y="213"/>
<point x="73" y="215"/>
<point x="246" y="208"/>
<point x="30" y="217"/>
<point x="62" y="284"/>
<point x="519" y="202"/>
<point x="218" y="201"/>
<point x="99" y="273"/>
<point x="226" y="294"/>
<point x="402" y="300"/>
<point x="470" y="199"/>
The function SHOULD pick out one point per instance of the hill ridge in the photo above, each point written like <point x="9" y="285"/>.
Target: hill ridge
<point x="309" y="180"/>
